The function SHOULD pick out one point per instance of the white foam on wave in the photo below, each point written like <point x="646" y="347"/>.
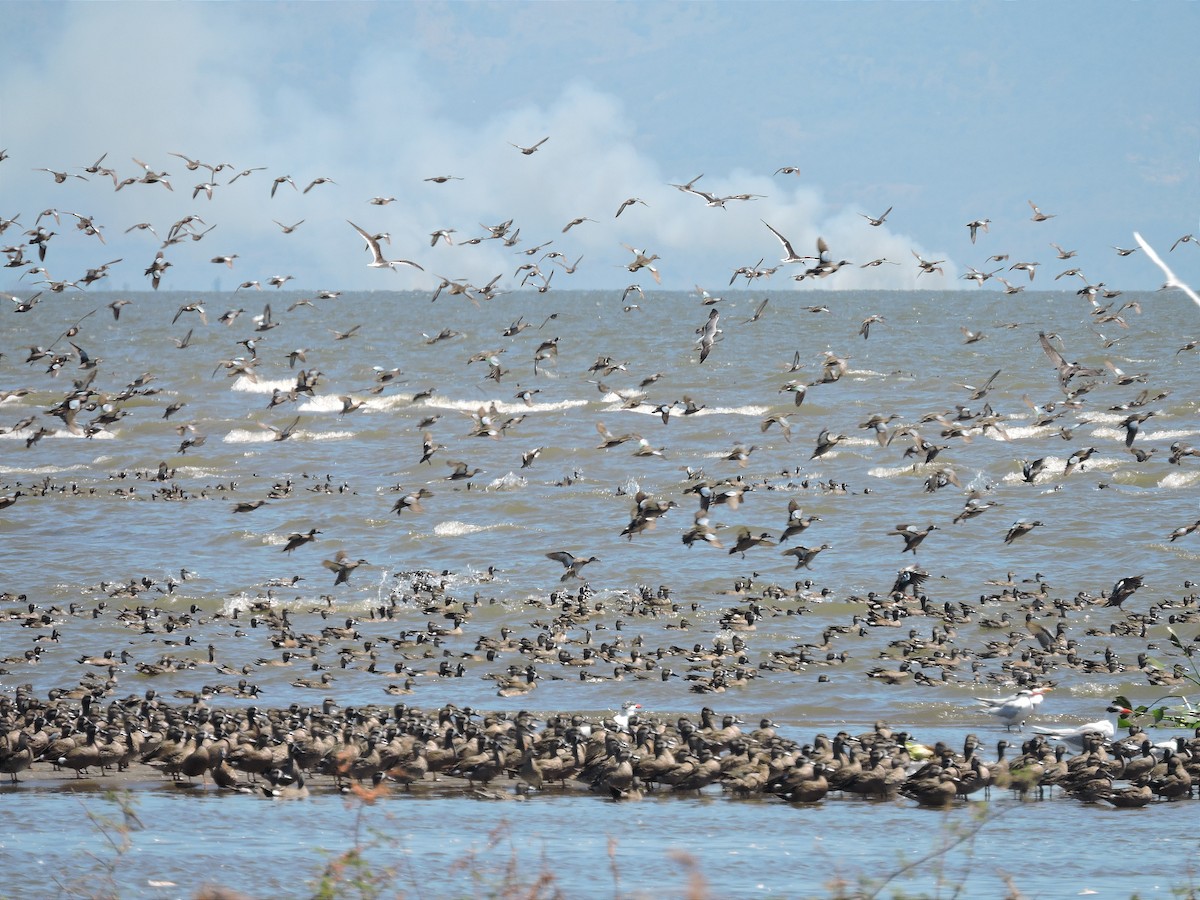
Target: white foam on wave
<point x="26" y="433"/>
<point x="244" y="602"/>
<point x="244" y="436"/>
<point x="1021" y="432"/>
<point x="611" y="397"/>
<point x="1180" y="480"/>
<point x="504" y="407"/>
<point x="1104" y="463"/>
<point x="1055" y="469"/>
<point x="1179" y="551"/>
<point x="511" y="481"/>
<point x="322" y="403"/>
<point x="39" y="470"/>
<point x="724" y="454"/>
<point x="898" y="471"/>
<point x="1109" y="434"/>
<point x="197" y="472"/>
<point x="551" y="406"/>
<point x="1099" y="417"/>
<point x="723" y="411"/>
<point x="388" y="403"/>
<point x="238" y="604"/>
<point x="461" y="529"/>
<point x="1175" y="435"/>
<point x="1052" y="470"/>
<point x="331" y="403"/>
<point x="851" y="440"/>
<point x="247" y="385"/>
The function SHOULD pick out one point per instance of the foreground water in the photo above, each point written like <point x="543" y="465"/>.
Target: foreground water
<point x="95" y="524"/>
<point x="456" y="847"/>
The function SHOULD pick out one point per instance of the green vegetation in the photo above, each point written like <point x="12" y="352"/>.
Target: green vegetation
<point x="1183" y="715"/>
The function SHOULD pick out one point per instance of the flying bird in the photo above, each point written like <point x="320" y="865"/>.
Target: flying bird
<point x="61" y="177"/>
<point x="757" y="312"/>
<point x="627" y="203"/>
<point x="377" y="260"/>
<point x="877" y="221"/>
<point x="1038" y="215"/>
<point x="528" y="151"/>
<point x="155" y="269"/>
<point x="344" y="566"/>
<point x="412" y="502"/>
<point x="1172" y="281"/>
<point x="746" y="540"/>
<point x="298" y="539"/>
<point x="865" y="328"/>
<point x="1018" y="529"/>
<point x="976" y="226"/>
<point x="792" y="255"/>
<point x="1185" y="530"/>
<point x="246" y="172"/>
<point x="826" y="442"/>
<point x="928" y="267"/>
<point x="708" y="334"/>
<point x="571" y="562"/>
<point x="805" y="555"/>
<point x="281" y="180"/>
<point x="642" y="260"/>
<point x="1124" y="589"/>
<point x="281" y="434"/>
<point x="912" y="536"/>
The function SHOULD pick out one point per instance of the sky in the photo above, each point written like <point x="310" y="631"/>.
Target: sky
<point x="944" y="113"/>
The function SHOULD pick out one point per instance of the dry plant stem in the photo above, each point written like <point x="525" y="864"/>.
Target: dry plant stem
<point x="613" y="867"/>
<point x="940" y="852"/>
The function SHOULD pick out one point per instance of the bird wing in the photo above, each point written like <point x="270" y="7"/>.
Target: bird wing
<point x="786" y="244"/>
<point x="371" y="242"/>
<point x="1051" y="351"/>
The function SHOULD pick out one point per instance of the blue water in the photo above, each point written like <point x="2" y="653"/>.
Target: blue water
<point x="451" y="847"/>
<point x="92" y="517"/>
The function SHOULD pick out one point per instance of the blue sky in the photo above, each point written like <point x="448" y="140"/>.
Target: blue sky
<point x="945" y="112"/>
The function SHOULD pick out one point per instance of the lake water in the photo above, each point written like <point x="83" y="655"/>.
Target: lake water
<point x="94" y="515"/>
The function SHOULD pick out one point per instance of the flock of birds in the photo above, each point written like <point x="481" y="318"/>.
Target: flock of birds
<point x="282" y="753"/>
<point x="282" y="750"/>
<point x="38" y="234"/>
